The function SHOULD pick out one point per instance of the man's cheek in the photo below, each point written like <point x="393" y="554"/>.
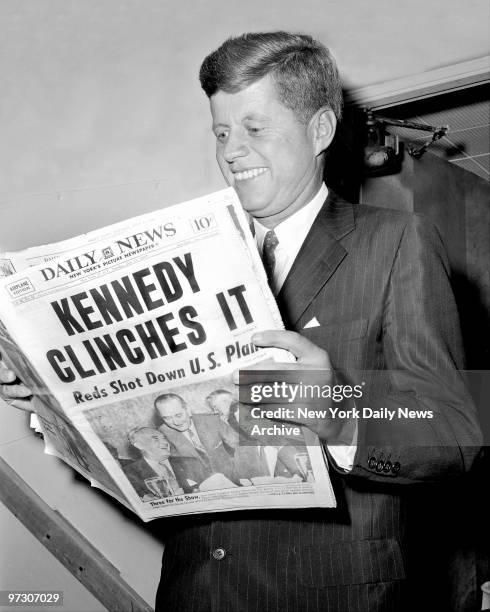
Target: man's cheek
<point x="223" y="166"/>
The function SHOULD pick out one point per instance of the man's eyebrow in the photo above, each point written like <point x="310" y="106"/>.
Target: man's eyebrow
<point x="250" y="117"/>
<point x="215" y="126"/>
<point x="256" y="117"/>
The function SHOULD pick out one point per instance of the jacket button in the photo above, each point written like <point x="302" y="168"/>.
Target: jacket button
<point x="387" y="467"/>
<point x="395" y="468"/>
<point x="372" y="463"/>
<point x="380" y="465"/>
<point x="219" y="553"/>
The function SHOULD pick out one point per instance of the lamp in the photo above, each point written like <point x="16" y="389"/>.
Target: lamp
<point x="383" y="152"/>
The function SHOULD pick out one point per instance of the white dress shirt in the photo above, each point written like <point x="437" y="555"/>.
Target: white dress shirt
<point x="165" y="471"/>
<point x="291" y="234"/>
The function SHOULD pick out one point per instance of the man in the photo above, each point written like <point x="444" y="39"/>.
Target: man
<point x="152" y="475"/>
<point x="219" y="401"/>
<point x="359" y="289"/>
<point x="201" y="438"/>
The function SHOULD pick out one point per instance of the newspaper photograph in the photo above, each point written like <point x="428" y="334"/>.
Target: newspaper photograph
<point x="129" y="337"/>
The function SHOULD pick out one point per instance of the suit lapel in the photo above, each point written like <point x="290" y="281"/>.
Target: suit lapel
<point x="318" y="258"/>
<point x="182" y="445"/>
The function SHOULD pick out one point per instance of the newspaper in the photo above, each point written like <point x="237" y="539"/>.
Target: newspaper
<point x="129" y="336"/>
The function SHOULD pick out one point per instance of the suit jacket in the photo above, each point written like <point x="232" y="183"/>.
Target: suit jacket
<point x="139" y="470"/>
<point x="377" y="281"/>
<point x="218" y="440"/>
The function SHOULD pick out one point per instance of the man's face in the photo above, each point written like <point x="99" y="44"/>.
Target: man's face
<point x="153" y="442"/>
<point x="221" y="404"/>
<point x="265" y="152"/>
<point x="174" y="414"/>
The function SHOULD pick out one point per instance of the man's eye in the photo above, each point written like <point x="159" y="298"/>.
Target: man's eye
<point x="221" y="136"/>
<point x="254" y="130"/>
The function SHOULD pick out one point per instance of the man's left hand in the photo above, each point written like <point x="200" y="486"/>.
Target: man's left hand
<point x="309" y="357"/>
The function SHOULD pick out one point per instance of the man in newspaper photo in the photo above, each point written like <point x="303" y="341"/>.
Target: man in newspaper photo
<point x="201" y="438"/>
<point x="152" y="475"/>
<point x="220" y="402"/>
<point x="360" y="288"/>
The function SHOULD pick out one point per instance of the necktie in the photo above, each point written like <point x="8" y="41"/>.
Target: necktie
<point x="201" y="451"/>
<point x="196" y="442"/>
<point x="169" y="477"/>
<point x="268" y="254"/>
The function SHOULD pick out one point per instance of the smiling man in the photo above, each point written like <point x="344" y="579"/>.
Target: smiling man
<point x="360" y="289"/>
<point x="152" y="475"/>
<point x="272" y="159"/>
<point x="202" y="438"/>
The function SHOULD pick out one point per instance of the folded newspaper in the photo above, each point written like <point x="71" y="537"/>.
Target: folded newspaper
<point x="129" y="336"/>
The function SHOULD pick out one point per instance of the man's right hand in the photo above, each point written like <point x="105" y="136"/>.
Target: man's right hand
<point x="13" y="391"/>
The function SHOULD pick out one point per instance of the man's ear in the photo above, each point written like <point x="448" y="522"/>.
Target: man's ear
<point x="323" y="125"/>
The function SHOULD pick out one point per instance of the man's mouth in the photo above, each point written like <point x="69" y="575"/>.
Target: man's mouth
<point x="249" y="174"/>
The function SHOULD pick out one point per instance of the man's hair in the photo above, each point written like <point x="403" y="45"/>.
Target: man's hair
<point x="169" y="396"/>
<point x="217" y="393"/>
<point x="303" y="70"/>
<point x="136" y="430"/>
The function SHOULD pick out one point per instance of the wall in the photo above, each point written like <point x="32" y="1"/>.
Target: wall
<point x="105" y="92"/>
<point x="42" y="571"/>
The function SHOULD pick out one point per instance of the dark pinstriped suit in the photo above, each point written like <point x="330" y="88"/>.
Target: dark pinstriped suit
<point x="377" y="282"/>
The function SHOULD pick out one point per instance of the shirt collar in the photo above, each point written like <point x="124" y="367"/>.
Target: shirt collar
<point x="294" y="229"/>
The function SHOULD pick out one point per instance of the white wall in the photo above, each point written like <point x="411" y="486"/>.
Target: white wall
<point x="42" y="571"/>
<point x="123" y="540"/>
<point x="102" y="117"/>
<point x="105" y="92"/>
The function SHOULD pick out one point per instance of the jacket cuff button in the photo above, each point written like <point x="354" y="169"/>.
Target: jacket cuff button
<point x="219" y="554"/>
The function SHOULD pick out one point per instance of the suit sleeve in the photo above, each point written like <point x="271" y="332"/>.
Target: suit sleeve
<point x="422" y="353"/>
<point x="228" y="434"/>
<point x="136" y="475"/>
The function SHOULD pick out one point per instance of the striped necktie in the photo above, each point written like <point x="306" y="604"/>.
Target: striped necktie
<point x="196" y="442"/>
<point x="268" y="254"/>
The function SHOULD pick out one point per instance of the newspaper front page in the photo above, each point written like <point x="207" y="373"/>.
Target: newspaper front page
<point x="129" y="336"/>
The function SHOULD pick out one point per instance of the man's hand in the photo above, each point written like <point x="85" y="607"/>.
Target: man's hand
<point x="309" y="357"/>
<point x="13" y="391"/>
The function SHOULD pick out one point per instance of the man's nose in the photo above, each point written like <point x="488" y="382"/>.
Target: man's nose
<point x="234" y="147"/>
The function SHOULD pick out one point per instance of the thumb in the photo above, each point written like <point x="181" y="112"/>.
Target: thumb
<point x="305" y="351"/>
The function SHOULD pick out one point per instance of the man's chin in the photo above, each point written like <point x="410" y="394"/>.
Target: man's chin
<point x="252" y="206"/>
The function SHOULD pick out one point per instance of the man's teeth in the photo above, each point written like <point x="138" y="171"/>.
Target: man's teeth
<point x="248" y="174"/>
